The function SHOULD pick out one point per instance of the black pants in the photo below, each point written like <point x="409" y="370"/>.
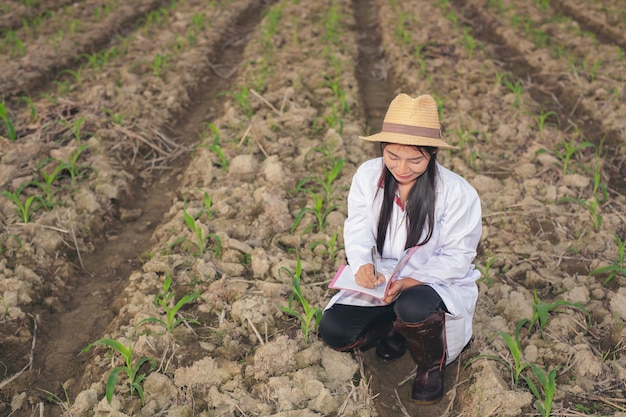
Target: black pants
<point x="342" y="324"/>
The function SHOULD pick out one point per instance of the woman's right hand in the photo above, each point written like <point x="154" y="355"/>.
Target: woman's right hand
<point x="365" y="277"/>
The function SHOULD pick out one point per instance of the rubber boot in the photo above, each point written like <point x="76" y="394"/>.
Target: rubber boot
<point x="390" y="348"/>
<point x="426" y="342"/>
<point x="370" y="337"/>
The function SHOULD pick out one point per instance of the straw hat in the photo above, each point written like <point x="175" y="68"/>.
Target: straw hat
<point x="411" y="121"/>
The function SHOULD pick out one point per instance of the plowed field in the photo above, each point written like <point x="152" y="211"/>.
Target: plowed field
<point x="174" y="178"/>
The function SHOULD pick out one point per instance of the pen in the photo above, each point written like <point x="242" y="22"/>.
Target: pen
<point x="374" y="259"/>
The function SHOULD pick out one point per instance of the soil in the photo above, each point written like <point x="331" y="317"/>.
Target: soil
<point x="172" y="149"/>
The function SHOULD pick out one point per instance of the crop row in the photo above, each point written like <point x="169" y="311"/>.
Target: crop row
<point x="485" y="105"/>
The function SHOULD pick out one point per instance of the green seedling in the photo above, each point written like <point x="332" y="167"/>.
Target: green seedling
<point x="201" y="237"/>
<point x="46" y="184"/>
<point x="75" y="75"/>
<point x="469" y="42"/>
<point x="310" y="316"/>
<point x="159" y="64"/>
<point x="94" y="60"/>
<point x="542" y="310"/>
<point x="516" y="88"/>
<point x="242" y="98"/>
<point x="71" y="165"/>
<point x="208" y="202"/>
<point x="75" y="128"/>
<point x="271" y="24"/>
<point x="565" y="151"/>
<point x="52" y="398"/>
<point x="215" y="146"/>
<point x="9" y="127"/>
<point x="540" y="38"/>
<point x="485" y="272"/>
<point x="318" y="211"/>
<point x="31" y="107"/>
<point x="116" y="118"/>
<point x="593" y="206"/>
<point x="323" y="183"/>
<point x="26" y="209"/>
<point x="12" y="45"/>
<point x="617" y="267"/>
<point x="331" y="24"/>
<point x="165" y="299"/>
<point x="542" y="118"/>
<point x="547" y="383"/>
<point x="402" y="35"/>
<point x="591" y="70"/>
<point x="130" y="369"/>
<point x="514" y="364"/>
<point x="332" y="246"/>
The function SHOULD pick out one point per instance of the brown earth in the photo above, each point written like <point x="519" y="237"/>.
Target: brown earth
<point x="190" y="126"/>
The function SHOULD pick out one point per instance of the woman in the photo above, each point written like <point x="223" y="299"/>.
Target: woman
<point x="402" y="200"/>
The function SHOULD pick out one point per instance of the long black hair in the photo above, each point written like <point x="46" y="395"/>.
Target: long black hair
<point x="419" y="207"/>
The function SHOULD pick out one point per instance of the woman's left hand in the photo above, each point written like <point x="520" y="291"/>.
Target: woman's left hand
<point x="397" y="286"/>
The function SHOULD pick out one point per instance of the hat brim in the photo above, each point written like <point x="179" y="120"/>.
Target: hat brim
<point x="403" y="139"/>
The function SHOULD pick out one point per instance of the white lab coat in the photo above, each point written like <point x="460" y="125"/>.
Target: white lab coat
<point x="444" y="263"/>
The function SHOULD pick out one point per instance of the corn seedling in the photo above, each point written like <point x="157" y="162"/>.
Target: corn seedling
<point x="46" y="184"/>
<point x="159" y="64"/>
<point x="469" y="42"/>
<point x="116" y="118"/>
<point x="95" y="60"/>
<point x="12" y="45"/>
<point x="592" y="205"/>
<point x="26" y="209"/>
<point x="215" y="147"/>
<point x="402" y="35"/>
<point x="514" y="364"/>
<point x="547" y="383"/>
<point x="242" y="98"/>
<point x="540" y="38"/>
<point x="332" y="246"/>
<point x="516" y="88"/>
<point x="541" y="119"/>
<point x="455" y="20"/>
<point x="542" y="310"/>
<point x="617" y="267"/>
<point x="441" y="102"/>
<point x="71" y="165"/>
<point x="310" y="316"/>
<point x="52" y="398"/>
<point x="497" y="4"/>
<point x="75" y="128"/>
<point x="565" y="151"/>
<point x="208" y="202"/>
<point x="318" y="211"/>
<point x="331" y="23"/>
<point x="201" y="237"/>
<point x="165" y="299"/>
<point x="485" y="272"/>
<point x="9" y="127"/>
<point x="323" y="183"/>
<point x="591" y="70"/>
<point x="31" y="107"/>
<point x="271" y="24"/>
<point x="131" y="368"/>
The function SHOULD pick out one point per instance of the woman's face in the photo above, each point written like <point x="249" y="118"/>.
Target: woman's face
<point x="405" y="162"/>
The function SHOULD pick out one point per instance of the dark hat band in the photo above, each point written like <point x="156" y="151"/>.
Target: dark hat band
<point x="427" y="132"/>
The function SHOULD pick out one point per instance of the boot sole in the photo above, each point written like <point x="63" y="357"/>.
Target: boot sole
<point x="426" y="402"/>
<point x="383" y="360"/>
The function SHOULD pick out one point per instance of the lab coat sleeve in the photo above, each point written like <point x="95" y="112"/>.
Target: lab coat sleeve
<point x="460" y="226"/>
<point x="359" y="226"/>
